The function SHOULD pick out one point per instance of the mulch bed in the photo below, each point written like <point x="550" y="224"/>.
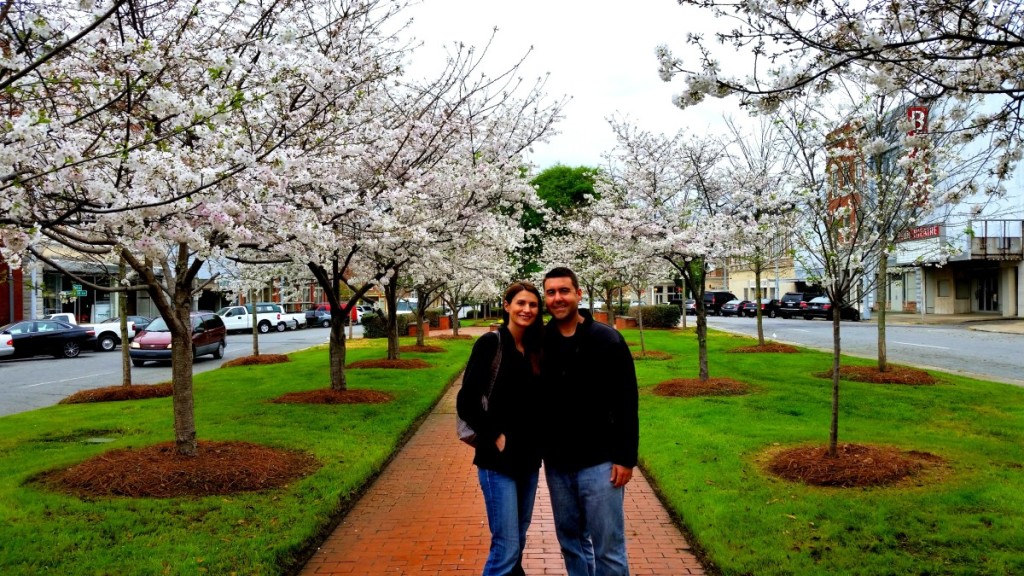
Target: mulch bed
<point x="119" y="393"/>
<point x="396" y="364"/>
<point x="417" y="348"/>
<point x="651" y="355"/>
<point x="855" y="466"/>
<point x="768" y="347"/>
<point x="160" y="472"/>
<point x="329" y="396"/>
<point x="691" y="387"/>
<point x="894" y="375"/>
<point x="452" y="337"/>
<point x="256" y="360"/>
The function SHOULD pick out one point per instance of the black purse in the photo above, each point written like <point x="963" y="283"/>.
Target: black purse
<point x="462" y="428"/>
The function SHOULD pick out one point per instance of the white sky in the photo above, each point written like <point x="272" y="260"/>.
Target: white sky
<point x="599" y="52"/>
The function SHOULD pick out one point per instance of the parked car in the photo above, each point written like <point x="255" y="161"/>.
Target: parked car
<point x="140" y="321"/>
<point x="47" y="338"/>
<point x="690" y="306"/>
<point x="732" y="307"/>
<point x="209" y="336"/>
<point x="714" y="299"/>
<point x="6" y="345"/>
<point x="821" y="307"/>
<point x="769" y="307"/>
<point x="793" y="303"/>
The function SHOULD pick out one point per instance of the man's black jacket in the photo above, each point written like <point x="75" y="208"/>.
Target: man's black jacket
<point x="589" y="398"/>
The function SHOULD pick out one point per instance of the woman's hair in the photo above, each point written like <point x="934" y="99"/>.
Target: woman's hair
<point x="533" y="338"/>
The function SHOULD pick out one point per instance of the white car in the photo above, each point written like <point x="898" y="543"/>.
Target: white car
<point x="6" y="345"/>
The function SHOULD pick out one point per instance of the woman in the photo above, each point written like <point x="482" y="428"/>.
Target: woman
<point x="507" y="456"/>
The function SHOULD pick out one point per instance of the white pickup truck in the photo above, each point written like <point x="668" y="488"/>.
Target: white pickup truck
<point x="292" y="320"/>
<point x="108" y="334"/>
<point x="268" y="317"/>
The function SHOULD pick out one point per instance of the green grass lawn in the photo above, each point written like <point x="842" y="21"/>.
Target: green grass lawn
<point x="254" y="533"/>
<point x="704" y="455"/>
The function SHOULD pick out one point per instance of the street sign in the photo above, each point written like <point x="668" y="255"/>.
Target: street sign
<point x="76" y="287"/>
<point x="80" y="292"/>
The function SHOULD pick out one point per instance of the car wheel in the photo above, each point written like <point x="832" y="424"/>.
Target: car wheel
<point x="106" y="343"/>
<point x="855" y="317"/>
<point x="137" y="363"/>
<point x="326" y="323"/>
<point x="806" y="317"/>
<point x="281" y="327"/>
<point x="771" y="314"/>
<point x="219" y="352"/>
<point x="264" y="327"/>
<point x="71" y="349"/>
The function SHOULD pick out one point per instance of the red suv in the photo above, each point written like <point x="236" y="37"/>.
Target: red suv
<point x="209" y="336"/>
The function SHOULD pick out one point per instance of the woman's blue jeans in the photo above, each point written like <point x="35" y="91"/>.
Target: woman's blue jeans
<point x="589" y="520"/>
<point x="509" y="503"/>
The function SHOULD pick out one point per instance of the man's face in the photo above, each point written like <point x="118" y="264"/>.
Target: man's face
<point x="561" y="298"/>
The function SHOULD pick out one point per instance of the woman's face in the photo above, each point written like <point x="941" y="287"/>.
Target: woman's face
<point x="523" y="308"/>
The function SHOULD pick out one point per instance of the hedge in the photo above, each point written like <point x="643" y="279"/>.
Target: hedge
<point x="660" y="316"/>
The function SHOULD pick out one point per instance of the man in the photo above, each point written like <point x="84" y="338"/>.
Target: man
<point x="591" y="430"/>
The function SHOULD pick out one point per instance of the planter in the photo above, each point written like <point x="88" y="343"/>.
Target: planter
<point x="426" y="329"/>
<point x="444" y="323"/>
<point x="601" y="317"/>
<point x="625" y="322"/>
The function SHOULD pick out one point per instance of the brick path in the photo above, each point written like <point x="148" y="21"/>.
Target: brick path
<point x="425" y="515"/>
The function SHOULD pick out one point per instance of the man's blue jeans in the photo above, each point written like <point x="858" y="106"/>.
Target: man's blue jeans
<point x="589" y="520"/>
<point x="509" y="510"/>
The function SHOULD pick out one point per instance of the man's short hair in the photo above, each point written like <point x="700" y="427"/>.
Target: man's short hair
<point x="563" y="272"/>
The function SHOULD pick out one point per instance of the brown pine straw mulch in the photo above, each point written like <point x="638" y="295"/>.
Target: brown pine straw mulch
<point x="160" y="472"/>
<point x="396" y="364"/>
<point x="452" y="337"/>
<point x="329" y="396"/>
<point x="768" y="347"/>
<point x="424" y="349"/>
<point x="258" y="360"/>
<point x="691" y="387"/>
<point x="119" y="393"/>
<point x="894" y="375"/>
<point x="855" y="466"/>
<point x="651" y="355"/>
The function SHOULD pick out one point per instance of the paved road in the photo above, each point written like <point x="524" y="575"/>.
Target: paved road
<point x="26" y="384"/>
<point x="951" y="348"/>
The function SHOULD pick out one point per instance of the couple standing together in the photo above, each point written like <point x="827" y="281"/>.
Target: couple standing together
<point x="566" y="393"/>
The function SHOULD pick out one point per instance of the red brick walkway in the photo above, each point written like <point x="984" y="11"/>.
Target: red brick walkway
<point x="425" y="515"/>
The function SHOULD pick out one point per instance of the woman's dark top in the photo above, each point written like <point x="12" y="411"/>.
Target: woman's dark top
<point x="513" y="408"/>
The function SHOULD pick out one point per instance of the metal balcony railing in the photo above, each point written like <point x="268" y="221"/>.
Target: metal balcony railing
<point x="997" y="239"/>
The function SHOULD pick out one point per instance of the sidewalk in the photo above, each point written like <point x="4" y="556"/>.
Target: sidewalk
<point x="979" y="321"/>
<point x="425" y="515"/>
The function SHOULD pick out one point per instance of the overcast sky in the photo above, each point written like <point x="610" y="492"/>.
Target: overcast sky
<point x="598" y="52"/>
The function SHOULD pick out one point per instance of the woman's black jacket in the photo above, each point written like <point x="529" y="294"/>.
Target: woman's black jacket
<point x="512" y="409"/>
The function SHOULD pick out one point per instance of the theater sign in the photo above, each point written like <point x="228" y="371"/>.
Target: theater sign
<point x="919" y="244"/>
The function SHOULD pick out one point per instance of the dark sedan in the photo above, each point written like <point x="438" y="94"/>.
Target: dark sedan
<point x="769" y="308"/>
<point x="48" y="337"/>
<point x="821" y="307"/>
<point x="140" y="321"/>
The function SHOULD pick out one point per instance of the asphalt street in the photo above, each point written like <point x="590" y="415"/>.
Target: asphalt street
<point x="951" y="348"/>
<point x="26" y="384"/>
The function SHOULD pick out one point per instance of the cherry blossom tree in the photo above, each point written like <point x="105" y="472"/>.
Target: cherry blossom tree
<point x="933" y="49"/>
<point x="170" y="131"/>
<point x="679" y="205"/>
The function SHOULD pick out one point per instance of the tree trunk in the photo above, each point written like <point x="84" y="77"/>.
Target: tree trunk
<point x="337" y="349"/>
<point x="122" y="312"/>
<point x="609" y="296"/>
<point x="694" y="278"/>
<point x="833" y="434"/>
<point x="255" y="325"/>
<point x="181" y="373"/>
<point x="883" y="272"/>
<point x="391" y="296"/>
<point x="640" y="324"/>
<point x="421" y="305"/>
<point x="757" y="304"/>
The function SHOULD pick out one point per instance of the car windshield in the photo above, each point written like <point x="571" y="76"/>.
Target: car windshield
<point x="223" y="310"/>
<point x="158" y="325"/>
